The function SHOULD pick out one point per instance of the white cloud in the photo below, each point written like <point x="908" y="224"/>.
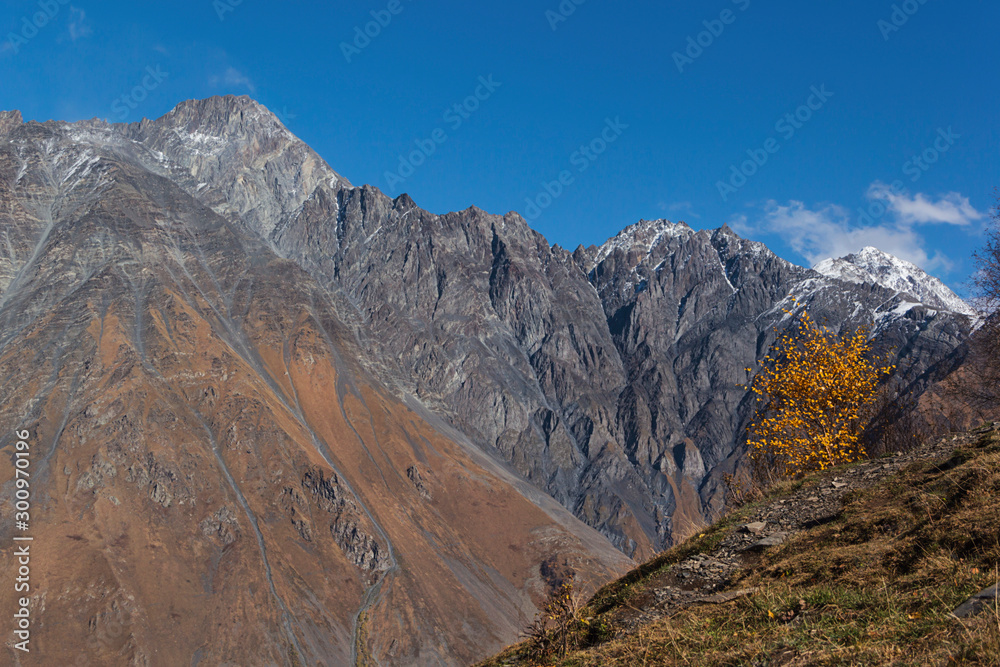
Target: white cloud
<point x="828" y="231"/>
<point x="893" y="222"/>
<point x="233" y="78"/>
<point x="951" y="209"/>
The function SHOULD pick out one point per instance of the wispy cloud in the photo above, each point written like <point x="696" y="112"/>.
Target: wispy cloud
<point x="683" y="207"/>
<point x="233" y="78"/>
<point x="830" y="231"/>
<point x="79" y="27"/>
<point x="951" y="209"/>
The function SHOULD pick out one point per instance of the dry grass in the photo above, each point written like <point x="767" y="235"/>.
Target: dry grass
<point x="874" y="587"/>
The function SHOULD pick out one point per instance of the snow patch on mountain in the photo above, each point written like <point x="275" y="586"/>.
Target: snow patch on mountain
<point x="872" y="265"/>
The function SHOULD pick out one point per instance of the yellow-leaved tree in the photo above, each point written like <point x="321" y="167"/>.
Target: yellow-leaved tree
<point x="816" y="392"/>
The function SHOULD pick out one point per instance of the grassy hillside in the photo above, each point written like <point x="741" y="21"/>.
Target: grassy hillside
<point x="871" y="581"/>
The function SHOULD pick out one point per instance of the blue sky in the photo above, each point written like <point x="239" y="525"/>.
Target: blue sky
<point x="797" y="123"/>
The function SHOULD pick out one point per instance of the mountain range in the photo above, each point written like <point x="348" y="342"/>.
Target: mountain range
<point x="280" y="419"/>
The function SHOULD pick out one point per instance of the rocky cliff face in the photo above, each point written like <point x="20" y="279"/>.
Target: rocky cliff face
<point x="337" y="421"/>
<point x="217" y="477"/>
<point x="608" y="377"/>
<point x="690" y="311"/>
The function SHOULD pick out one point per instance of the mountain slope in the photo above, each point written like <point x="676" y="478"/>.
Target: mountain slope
<point x="887" y="562"/>
<point x="211" y="459"/>
<point x="561" y="363"/>
<point x="357" y="400"/>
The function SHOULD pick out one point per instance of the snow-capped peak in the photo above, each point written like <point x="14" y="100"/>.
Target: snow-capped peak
<point x="643" y="235"/>
<point x="872" y="265"/>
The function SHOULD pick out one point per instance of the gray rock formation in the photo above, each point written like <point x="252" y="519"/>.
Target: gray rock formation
<point x="983" y="601"/>
<point x="230" y="470"/>
<point x="610" y="377"/>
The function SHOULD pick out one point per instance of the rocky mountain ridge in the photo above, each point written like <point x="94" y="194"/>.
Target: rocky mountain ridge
<point x="212" y="460"/>
<point x="618" y="413"/>
<point x="871" y="265"/>
<point x="228" y="284"/>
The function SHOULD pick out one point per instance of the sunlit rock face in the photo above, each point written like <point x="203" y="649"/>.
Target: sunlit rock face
<point x="218" y="477"/>
<point x="286" y="418"/>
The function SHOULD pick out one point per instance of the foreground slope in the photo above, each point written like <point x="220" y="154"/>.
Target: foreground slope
<point x="217" y="479"/>
<point x="888" y="562"/>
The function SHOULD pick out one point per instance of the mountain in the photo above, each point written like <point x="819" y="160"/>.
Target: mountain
<point x="871" y="265"/>
<point x="690" y="311"/>
<point x="280" y="415"/>
<point x="216" y="477"/>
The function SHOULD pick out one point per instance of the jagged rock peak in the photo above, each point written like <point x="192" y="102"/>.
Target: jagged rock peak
<point x="224" y="117"/>
<point x="237" y="157"/>
<point x="642" y="236"/>
<point x="732" y="246"/>
<point x="875" y="266"/>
